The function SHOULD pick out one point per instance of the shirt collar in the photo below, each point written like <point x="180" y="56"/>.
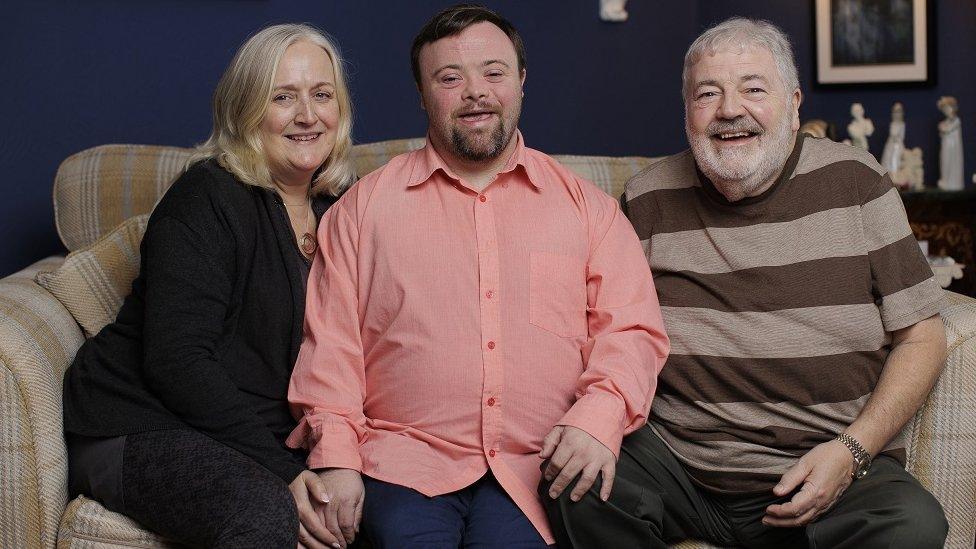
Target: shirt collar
<point x="429" y="161"/>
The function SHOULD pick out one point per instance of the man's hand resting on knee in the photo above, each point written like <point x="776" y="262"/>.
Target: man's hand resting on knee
<point x="822" y="474"/>
<point x="572" y="451"/>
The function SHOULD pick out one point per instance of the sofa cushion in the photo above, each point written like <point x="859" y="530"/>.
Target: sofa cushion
<point x="86" y="524"/>
<point x="92" y="282"/>
<point x="370" y="156"/>
<point x="97" y="189"/>
<point x="610" y="173"/>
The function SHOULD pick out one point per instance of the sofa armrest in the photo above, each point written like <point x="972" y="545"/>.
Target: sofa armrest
<point x="942" y="435"/>
<point x="38" y="339"/>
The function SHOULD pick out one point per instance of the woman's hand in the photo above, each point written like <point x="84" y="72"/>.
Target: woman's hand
<point x="310" y="498"/>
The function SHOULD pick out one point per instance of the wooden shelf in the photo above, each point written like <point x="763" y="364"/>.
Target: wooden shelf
<point x="947" y="220"/>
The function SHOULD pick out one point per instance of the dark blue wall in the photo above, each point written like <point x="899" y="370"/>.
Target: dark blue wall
<point x="80" y="74"/>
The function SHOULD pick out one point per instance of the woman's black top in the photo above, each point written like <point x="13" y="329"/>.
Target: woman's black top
<point x="210" y="333"/>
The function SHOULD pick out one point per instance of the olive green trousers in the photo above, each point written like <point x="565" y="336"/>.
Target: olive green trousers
<point x="654" y="503"/>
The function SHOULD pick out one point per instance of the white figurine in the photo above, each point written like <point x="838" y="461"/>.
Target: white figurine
<point x="950" y="153"/>
<point x="613" y="10"/>
<point x="945" y="269"/>
<point x="911" y="174"/>
<point x="891" y="157"/>
<point x="860" y="128"/>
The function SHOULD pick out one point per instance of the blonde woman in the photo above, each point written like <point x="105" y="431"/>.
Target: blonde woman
<point x="175" y="415"/>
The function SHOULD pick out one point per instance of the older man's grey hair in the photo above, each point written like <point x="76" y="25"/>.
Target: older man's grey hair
<point x="737" y="34"/>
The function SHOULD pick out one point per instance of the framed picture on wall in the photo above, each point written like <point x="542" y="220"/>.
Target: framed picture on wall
<point x="864" y="42"/>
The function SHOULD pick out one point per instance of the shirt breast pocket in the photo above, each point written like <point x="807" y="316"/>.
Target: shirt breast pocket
<point x="557" y="294"/>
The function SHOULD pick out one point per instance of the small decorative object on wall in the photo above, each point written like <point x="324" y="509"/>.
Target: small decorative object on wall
<point x="891" y="157"/>
<point x="873" y="42"/>
<point x="860" y="127"/>
<point x="613" y="11"/>
<point x="911" y="173"/>
<point x="950" y="151"/>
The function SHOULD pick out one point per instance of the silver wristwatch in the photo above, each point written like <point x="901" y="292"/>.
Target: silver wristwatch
<point x="862" y="459"/>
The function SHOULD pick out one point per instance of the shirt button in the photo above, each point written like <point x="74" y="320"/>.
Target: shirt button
<point x="483" y="198"/>
<point x="491" y="453"/>
<point x="491" y="344"/>
<point x="491" y="401"/>
<point x="489" y="294"/>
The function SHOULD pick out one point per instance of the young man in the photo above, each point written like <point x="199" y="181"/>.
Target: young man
<point x="804" y="323"/>
<point x="475" y="309"/>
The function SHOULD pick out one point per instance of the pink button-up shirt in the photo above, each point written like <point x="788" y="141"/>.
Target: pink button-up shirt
<point x="447" y="330"/>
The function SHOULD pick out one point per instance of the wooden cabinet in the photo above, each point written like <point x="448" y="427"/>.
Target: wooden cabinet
<point x="947" y="221"/>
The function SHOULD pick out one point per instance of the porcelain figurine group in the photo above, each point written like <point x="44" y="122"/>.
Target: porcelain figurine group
<point x="904" y="164"/>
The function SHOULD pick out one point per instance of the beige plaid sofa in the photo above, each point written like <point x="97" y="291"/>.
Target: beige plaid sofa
<point x="97" y="189"/>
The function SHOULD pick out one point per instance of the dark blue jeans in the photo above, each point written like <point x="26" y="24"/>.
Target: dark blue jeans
<point x="480" y="516"/>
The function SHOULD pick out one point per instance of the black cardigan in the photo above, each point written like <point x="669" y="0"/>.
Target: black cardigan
<point x="210" y="333"/>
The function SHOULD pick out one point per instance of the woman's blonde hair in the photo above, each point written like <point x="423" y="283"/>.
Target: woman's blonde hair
<point x="241" y="101"/>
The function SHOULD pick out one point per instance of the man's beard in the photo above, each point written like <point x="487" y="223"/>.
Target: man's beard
<point x="741" y="172"/>
<point x="474" y="150"/>
<point x="479" y="146"/>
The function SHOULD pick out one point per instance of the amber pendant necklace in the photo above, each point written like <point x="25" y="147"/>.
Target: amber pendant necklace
<point x="307" y="242"/>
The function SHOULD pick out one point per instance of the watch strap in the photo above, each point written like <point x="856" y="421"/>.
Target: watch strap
<point x="861" y="456"/>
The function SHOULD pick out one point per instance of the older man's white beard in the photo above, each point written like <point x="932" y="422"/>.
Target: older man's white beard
<point x="742" y="171"/>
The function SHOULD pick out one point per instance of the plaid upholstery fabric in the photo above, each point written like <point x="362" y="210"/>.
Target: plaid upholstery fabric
<point x="942" y="435"/>
<point x="608" y="172"/>
<point x="93" y="281"/>
<point x="99" y="188"/>
<point x="88" y="525"/>
<point x="370" y="156"/>
<point x="38" y="337"/>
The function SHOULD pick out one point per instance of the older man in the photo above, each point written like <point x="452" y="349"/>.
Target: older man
<point x="475" y="308"/>
<point x="804" y="326"/>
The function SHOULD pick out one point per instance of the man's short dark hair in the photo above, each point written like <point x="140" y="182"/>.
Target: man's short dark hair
<point x="452" y="21"/>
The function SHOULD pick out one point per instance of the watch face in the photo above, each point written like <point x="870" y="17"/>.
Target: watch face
<point x="861" y="468"/>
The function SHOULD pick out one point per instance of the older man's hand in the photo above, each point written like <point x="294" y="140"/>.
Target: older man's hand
<point x="572" y="451"/>
<point x="824" y="472"/>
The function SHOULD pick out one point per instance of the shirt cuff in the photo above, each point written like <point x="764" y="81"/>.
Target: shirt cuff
<point x="601" y="416"/>
<point x="329" y="444"/>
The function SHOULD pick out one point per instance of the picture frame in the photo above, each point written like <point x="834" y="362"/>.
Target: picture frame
<point x="874" y="42"/>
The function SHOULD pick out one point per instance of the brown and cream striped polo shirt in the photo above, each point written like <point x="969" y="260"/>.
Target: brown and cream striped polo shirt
<point x="779" y="306"/>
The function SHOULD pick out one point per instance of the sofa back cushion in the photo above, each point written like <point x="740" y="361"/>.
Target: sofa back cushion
<point x="97" y="189"/>
<point x="610" y="173"/>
